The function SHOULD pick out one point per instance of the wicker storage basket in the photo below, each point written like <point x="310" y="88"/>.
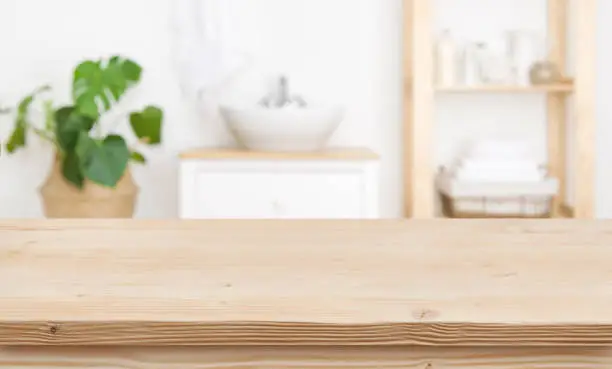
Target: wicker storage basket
<point x="495" y="200"/>
<point x="61" y="199"/>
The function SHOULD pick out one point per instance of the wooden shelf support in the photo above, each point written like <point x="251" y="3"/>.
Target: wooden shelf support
<point x="584" y="135"/>
<point x="419" y="194"/>
<point x="556" y="107"/>
<point x="558" y="90"/>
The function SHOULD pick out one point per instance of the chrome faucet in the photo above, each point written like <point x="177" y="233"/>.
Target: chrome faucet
<point x="281" y="97"/>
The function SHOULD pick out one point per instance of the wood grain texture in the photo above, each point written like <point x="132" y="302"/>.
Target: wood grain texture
<point x="556" y="105"/>
<point x="559" y="90"/>
<point x="250" y="333"/>
<point x="585" y="110"/>
<point x="347" y="153"/>
<point x="408" y="109"/>
<point x="439" y="282"/>
<point x="419" y="166"/>
<point x="304" y="357"/>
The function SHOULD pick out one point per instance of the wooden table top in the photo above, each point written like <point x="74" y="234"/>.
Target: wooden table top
<point x="442" y="282"/>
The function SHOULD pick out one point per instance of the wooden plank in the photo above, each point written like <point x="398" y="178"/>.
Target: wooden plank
<point x="347" y="153"/>
<point x="408" y="146"/>
<point x="419" y="111"/>
<point x="556" y="104"/>
<point x="555" y="90"/>
<point x="585" y="113"/>
<point x="199" y="332"/>
<point x="304" y="357"/>
<point x="482" y="283"/>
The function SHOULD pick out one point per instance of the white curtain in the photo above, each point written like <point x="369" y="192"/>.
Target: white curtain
<point x="205" y="57"/>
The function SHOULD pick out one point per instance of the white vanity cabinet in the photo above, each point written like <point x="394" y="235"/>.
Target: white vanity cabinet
<point x="231" y="184"/>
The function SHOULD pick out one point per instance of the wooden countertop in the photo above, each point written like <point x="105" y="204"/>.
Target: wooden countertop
<point x="443" y="282"/>
<point x="347" y="153"/>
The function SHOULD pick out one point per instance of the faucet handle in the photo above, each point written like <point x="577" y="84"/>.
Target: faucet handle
<point x="280" y="97"/>
<point x="282" y="92"/>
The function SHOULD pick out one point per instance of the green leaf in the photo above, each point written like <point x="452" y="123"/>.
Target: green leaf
<point x="84" y="149"/>
<point x="71" y="169"/>
<point x="18" y="138"/>
<point x="68" y="126"/>
<point x="103" y="162"/>
<point x="147" y="125"/>
<point x="138" y="158"/>
<point x="49" y="116"/>
<point x="98" y="84"/>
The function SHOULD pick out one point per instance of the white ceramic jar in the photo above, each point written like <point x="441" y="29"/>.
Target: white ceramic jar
<point x="446" y="60"/>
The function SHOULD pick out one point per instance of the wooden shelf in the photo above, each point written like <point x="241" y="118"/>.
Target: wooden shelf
<point x="576" y="130"/>
<point x="557" y="88"/>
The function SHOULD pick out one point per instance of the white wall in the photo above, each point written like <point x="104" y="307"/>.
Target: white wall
<point x="341" y="50"/>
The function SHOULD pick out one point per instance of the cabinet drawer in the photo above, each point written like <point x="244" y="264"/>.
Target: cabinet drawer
<point x="269" y="195"/>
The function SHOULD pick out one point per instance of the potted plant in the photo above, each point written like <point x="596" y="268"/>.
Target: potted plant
<point x="90" y="175"/>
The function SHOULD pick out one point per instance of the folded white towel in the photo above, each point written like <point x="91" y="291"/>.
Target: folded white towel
<point x="500" y="175"/>
<point x="497" y="145"/>
<point x="499" y="149"/>
<point x="498" y="155"/>
<point x="500" y="160"/>
<point x="491" y="163"/>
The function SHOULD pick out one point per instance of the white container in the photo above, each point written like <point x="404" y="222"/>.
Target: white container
<point x="288" y="130"/>
<point x="524" y="48"/>
<point x="470" y="66"/>
<point x="446" y="60"/>
<point x="528" y="199"/>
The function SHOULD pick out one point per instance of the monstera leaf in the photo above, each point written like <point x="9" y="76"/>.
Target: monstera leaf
<point x="88" y="154"/>
<point x="147" y="125"/>
<point x="99" y="84"/>
<point x="103" y="161"/>
<point x="71" y="169"/>
<point x="69" y="124"/>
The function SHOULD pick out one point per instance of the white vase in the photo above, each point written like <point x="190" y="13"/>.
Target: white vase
<point x="523" y="51"/>
<point x="446" y="60"/>
<point x="470" y="65"/>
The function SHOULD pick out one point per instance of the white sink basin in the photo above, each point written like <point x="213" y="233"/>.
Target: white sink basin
<point x="290" y="129"/>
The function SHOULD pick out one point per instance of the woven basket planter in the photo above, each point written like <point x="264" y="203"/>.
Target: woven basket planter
<point x="61" y="199"/>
